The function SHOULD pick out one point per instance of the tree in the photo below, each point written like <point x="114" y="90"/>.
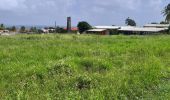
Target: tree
<point x="83" y="26"/>
<point x="163" y="22"/>
<point x="169" y="30"/>
<point x="33" y="29"/>
<point x="130" y="22"/>
<point x="60" y="30"/>
<point x="2" y="27"/>
<point x="22" y="29"/>
<point x="13" y="28"/>
<point x="166" y="13"/>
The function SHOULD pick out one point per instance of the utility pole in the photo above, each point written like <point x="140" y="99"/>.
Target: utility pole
<point x="55" y="27"/>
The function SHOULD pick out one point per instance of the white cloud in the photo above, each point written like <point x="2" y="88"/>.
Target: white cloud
<point x="11" y="4"/>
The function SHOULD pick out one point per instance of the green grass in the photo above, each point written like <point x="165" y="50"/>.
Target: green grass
<point x="86" y="67"/>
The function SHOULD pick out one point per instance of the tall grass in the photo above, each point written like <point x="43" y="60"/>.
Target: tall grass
<point x="41" y="67"/>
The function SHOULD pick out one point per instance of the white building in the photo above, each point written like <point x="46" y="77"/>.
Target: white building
<point x="141" y="29"/>
<point x="157" y="25"/>
<point x="147" y="29"/>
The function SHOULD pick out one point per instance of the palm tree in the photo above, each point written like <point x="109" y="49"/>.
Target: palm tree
<point x="166" y="13"/>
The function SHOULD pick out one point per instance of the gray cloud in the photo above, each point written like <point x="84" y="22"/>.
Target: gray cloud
<point x="97" y="12"/>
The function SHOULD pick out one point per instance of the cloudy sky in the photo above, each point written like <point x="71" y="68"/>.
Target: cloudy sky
<point x="96" y="12"/>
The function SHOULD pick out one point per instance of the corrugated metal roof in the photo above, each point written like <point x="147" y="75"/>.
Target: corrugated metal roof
<point x="157" y="25"/>
<point x="131" y="28"/>
<point x="107" y="27"/>
<point x="96" y="30"/>
<point x="141" y="29"/>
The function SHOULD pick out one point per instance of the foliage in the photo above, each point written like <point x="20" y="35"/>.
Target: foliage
<point x="2" y="27"/>
<point x="13" y="28"/>
<point x="166" y="13"/>
<point x="169" y="29"/>
<point x="60" y="30"/>
<point x="83" y="26"/>
<point x="84" y="67"/>
<point x="33" y="29"/>
<point x="130" y="22"/>
<point x="22" y="29"/>
<point x="164" y="22"/>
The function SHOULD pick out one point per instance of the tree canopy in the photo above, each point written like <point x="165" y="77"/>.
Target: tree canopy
<point x="163" y="22"/>
<point x="22" y="29"/>
<point x="83" y="26"/>
<point x="2" y="27"/>
<point x="33" y="29"/>
<point x="166" y="13"/>
<point x="169" y="30"/>
<point x="13" y="29"/>
<point x="130" y="22"/>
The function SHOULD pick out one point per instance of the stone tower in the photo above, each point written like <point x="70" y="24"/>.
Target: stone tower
<point x="68" y="24"/>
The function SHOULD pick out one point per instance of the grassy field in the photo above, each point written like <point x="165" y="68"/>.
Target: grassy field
<point x="86" y="67"/>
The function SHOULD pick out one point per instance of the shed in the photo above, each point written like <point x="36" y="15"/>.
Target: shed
<point x="98" y="31"/>
<point x="72" y="29"/>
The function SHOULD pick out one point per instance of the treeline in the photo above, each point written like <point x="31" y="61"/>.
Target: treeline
<point x="30" y="30"/>
<point x="3" y="27"/>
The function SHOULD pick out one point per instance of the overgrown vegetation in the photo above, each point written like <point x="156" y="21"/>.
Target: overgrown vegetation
<point x="41" y="67"/>
<point x="83" y="26"/>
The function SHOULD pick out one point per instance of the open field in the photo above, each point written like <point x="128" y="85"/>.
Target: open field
<point x="44" y="67"/>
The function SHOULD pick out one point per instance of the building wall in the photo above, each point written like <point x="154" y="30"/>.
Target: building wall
<point x="99" y="33"/>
